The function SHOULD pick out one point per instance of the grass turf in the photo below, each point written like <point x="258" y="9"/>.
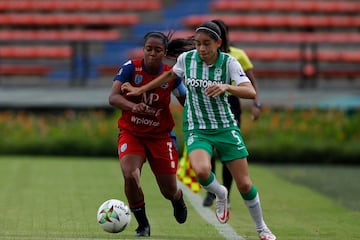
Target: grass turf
<point x="57" y="198"/>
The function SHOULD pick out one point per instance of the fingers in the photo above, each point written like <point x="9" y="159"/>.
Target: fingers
<point x="213" y="91"/>
<point x="140" y="108"/>
<point x="125" y="87"/>
<point x="130" y="90"/>
<point x="255" y="113"/>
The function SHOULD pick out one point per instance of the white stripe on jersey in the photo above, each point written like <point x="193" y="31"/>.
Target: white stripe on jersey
<point x="209" y="108"/>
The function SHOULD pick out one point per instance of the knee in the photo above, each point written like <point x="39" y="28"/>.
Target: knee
<point x="202" y="173"/>
<point x="245" y="185"/>
<point x="132" y="177"/>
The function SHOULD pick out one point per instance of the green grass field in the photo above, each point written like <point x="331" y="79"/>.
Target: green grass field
<point x="57" y="198"/>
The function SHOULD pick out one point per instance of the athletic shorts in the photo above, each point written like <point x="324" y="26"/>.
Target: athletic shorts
<point x="162" y="154"/>
<point x="228" y="143"/>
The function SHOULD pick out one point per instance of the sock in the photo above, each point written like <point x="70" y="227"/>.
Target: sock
<point x="140" y="215"/>
<point x="252" y="201"/>
<point x="212" y="185"/>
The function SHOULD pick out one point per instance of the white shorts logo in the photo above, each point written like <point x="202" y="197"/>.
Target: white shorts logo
<point x="190" y="139"/>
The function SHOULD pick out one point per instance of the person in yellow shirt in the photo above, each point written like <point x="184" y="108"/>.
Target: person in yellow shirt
<point x="234" y="101"/>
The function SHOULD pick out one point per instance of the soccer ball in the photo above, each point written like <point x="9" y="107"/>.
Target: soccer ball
<point x="113" y="216"/>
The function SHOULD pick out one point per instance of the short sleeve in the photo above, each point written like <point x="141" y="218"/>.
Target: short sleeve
<point x="179" y="66"/>
<point x="236" y="72"/>
<point x="125" y="73"/>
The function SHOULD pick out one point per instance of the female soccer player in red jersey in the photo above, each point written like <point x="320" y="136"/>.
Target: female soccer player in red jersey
<point x="145" y="126"/>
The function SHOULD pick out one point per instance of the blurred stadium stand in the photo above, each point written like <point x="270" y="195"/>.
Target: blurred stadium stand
<point x="301" y="39"/>
<point x="305" y="40"/>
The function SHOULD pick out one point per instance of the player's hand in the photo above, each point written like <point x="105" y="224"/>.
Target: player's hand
<point x="130" y="90"/>
<point x="215" y="90"/>
<point x="140" y="108"/>
<point x="255" y="113"/>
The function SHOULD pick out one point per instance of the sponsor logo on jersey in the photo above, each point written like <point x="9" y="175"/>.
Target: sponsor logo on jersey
<point x="217" y="73"/>
<point x="144" y="121"/>
<point x="138" y="79"/>
<point x="165" y="85"/>
<point x="203" y="83"/>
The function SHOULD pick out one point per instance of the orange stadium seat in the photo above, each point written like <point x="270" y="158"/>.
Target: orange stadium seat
<point x="28" y="69"/>
<point x="291" y="54"/>
<point x="35" y="51"/>
<point x="321" y="6"/>
<point x="59" y="35"/>
<point x="267" y="20"/>
<point x="284" y="54"/>
<point x="340" y="73"/>
<point x="69" y="19"/>
<point x="284" y="37"/>
<point x="76" y="5"/>
<point x="296" y="73"/>
<point x="295" y="37"/>
<point x="108" y="69"/>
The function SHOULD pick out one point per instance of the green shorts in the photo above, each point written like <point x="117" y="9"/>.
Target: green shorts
<point x="228" y="143"/>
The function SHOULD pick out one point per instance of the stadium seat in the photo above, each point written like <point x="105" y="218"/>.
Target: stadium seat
<point x="28" y="69"/>
<point x="284" y="54"/>
<point x="291" y="54"/>
<point x="285" y="37"/>
<point x="35" y="52"/>
<point x="59" y="35"/>
<point x="276" y="21"/>
<point x="77" y="5"/>
<point x="108" y="70"/>
<point x="321" y="6"/>
<point x="46" y="19"/>
<point x="295" y="73"/>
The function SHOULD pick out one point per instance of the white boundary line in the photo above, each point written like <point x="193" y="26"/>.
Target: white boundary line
<point x="195" y="199"/>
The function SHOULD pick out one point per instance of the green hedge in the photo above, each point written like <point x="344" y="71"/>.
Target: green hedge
<point x="279" y="136"/>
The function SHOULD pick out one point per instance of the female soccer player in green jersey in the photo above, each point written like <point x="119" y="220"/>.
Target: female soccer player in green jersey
<point x="208" y="122"/>
<point x="234" y="101"/>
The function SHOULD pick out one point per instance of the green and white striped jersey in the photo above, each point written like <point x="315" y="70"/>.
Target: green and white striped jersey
<point x="201" y="111"/>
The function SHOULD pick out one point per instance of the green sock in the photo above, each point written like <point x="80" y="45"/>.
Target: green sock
<point x="207" y="181"/>
<point x="251" y="194"/>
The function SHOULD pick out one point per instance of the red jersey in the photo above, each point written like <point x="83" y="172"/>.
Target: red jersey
<point x="158" y="121"/>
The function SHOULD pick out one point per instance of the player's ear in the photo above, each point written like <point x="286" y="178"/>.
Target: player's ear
<point x="218" y="43"/>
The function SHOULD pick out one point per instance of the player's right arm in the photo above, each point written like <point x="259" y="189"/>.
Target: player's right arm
<point x="116" y="97"/>
<point x="119" y="101"/>
<point x="157" y="82"/>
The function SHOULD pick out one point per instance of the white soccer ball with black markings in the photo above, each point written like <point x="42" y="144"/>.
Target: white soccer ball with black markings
<point x="113" y="216"/>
